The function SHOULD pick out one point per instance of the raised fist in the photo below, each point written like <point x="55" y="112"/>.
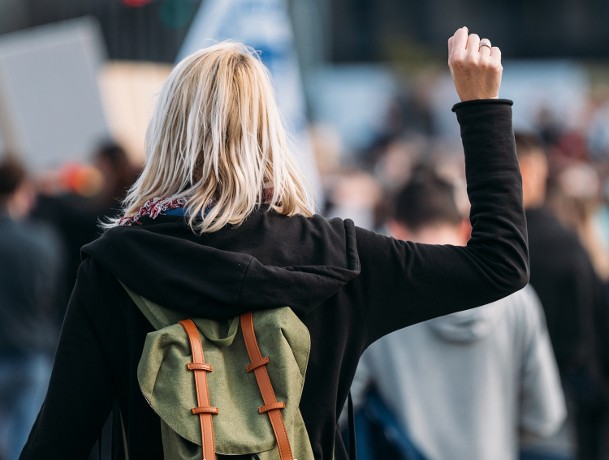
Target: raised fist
<point x="475" y="66"/>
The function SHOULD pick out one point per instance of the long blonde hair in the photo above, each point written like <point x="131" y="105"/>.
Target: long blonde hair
<point x="216" y="139"/>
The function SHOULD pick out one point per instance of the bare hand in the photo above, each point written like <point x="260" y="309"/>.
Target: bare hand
<point x="476" y="70"/>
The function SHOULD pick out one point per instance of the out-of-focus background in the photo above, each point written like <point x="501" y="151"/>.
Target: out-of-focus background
<point x="365" y="92"/>
<point x="75" y="74"/>
<point x="108" y="58"/>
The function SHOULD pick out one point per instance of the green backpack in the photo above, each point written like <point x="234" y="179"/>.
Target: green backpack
<point x="210" y="383"/>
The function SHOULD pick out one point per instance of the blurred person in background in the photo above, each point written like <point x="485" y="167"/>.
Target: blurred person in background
<point x="357" y="195"/>
<point x="463" y="385"/>
<point x="29" y="270"/>
<point x="576" y="200"/>
<point x="118" y="173"/>
<point x="575" y="306"/>
<point x="79" y="197"/>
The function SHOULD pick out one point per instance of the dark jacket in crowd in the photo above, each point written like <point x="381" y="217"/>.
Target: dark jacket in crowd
<point x="577" y="314"/>
<point x="30" y="266"/>
<point x="348" y="285"/>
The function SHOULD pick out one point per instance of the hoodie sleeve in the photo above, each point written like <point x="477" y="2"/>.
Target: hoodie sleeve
<point x="402" y="283"/>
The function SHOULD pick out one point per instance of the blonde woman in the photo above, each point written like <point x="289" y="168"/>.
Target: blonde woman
<point x="221" y="222"/>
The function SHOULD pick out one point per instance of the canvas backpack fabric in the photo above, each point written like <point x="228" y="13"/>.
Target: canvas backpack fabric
<point x="239" y="428"/>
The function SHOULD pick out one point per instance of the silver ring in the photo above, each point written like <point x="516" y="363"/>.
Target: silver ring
<point x="485" y="42"/>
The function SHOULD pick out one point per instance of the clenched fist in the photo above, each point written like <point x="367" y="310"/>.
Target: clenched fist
<point x="476" y="70"/>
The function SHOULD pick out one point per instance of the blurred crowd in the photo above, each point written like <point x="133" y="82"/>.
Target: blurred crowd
<point x="578" y="161"/>
<point x="46" y="218"/>
<point x="565" y="172"/>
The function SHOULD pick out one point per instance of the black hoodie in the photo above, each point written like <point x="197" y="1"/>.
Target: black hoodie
<point x="349" y="286"/>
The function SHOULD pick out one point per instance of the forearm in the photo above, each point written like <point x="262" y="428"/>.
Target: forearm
<point x="494" y="188"/>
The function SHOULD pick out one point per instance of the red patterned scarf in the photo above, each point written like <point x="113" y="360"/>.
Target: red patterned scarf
<point x="158" y="205"/>
<point x="152" y="209"/>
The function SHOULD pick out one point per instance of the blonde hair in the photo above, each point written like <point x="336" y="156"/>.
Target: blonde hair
<point x="216" y="139"/>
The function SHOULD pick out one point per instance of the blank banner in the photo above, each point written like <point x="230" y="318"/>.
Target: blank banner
<point x="50" y="107"/>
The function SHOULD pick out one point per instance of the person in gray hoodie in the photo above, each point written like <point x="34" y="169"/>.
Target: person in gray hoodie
<point x="463" y="386"/>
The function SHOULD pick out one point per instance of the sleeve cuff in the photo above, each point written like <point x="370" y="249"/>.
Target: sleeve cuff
<point x="482" y="102"/>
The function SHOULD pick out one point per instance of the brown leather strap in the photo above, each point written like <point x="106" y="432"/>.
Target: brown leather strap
<point x="204" y="410"/>
<point x="271" y="406"/>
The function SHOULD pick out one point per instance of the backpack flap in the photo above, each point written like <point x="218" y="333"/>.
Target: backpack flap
<point x="239" y="429"/>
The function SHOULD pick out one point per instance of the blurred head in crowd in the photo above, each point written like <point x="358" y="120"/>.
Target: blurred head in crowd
<point x="533" y="168"/>
<point x="425" y="211"/>
<point x="16" y="192"/>
<point x="357" y="195"/>
<point x="216" y="137"/>
<point x="117" y="171"/>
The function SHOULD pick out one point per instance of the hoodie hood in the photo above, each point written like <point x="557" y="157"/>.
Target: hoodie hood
<point x="465" y="326"/>
<point x="269" y="261"/>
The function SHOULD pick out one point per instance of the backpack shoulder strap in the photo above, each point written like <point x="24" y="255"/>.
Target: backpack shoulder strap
<point x="272" y="407"/>
<point x="200" y="369"/>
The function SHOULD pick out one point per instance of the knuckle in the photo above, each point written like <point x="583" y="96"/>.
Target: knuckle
<point x="456" y="59"/>
<point x="497" y="65"/>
